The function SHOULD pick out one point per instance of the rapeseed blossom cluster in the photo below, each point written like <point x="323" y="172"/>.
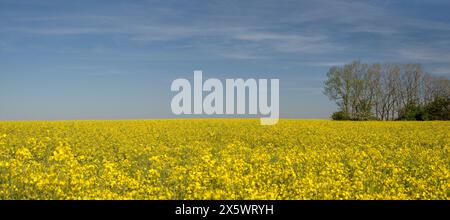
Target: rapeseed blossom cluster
<point x="224" y="159"/>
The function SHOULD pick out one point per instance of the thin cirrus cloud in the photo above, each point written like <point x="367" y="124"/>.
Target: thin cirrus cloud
<point x="445" y="70"/>
<point x="321" y="25"/>
<point x="426" y="54"/>
<point x="67" y="30"/>
<point x="276" y="41"/>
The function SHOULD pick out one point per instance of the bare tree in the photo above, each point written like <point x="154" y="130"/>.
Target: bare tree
<point x="411" y="83"/>
<point x="440" y="87"/>
<point x="385" y="91"/>
<point x="374" y="90"/>
<point x="390" y="96"/>
<point x="427" y="88"/>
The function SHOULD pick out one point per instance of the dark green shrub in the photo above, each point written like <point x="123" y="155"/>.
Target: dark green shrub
<point x="340" y="115"/>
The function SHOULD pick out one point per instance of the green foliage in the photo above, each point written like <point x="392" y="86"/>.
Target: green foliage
<point x="363" y="112"/>
<point x="413" y="112"/>
<point x="340" y="116"/>
<point x="439" y="109"/>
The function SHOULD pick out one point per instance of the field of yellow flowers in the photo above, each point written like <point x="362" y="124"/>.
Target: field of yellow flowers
<point x="224" y="159"/>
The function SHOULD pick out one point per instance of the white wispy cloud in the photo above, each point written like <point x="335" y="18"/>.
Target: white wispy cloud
<point x="312" y="29"/>
<point x="291" y="42"/>
<point x="241" y="55"/>
<point x="442" y="70"/>
<point x="425" y="54"/>
<point x="67" y="30"/>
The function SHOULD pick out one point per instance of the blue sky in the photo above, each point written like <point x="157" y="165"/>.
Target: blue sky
<point x="117" y="59"/>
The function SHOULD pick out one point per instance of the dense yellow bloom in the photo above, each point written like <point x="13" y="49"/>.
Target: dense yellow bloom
<point x="224" y="159"/>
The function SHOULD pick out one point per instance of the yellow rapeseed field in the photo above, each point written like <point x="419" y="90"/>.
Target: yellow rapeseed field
<point x="224" y="159"/>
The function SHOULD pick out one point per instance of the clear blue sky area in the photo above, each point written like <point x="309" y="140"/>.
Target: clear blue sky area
<point x="116" y="59"/>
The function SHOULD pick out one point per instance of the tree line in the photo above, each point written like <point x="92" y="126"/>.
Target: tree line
<point x="387" y="91"/>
